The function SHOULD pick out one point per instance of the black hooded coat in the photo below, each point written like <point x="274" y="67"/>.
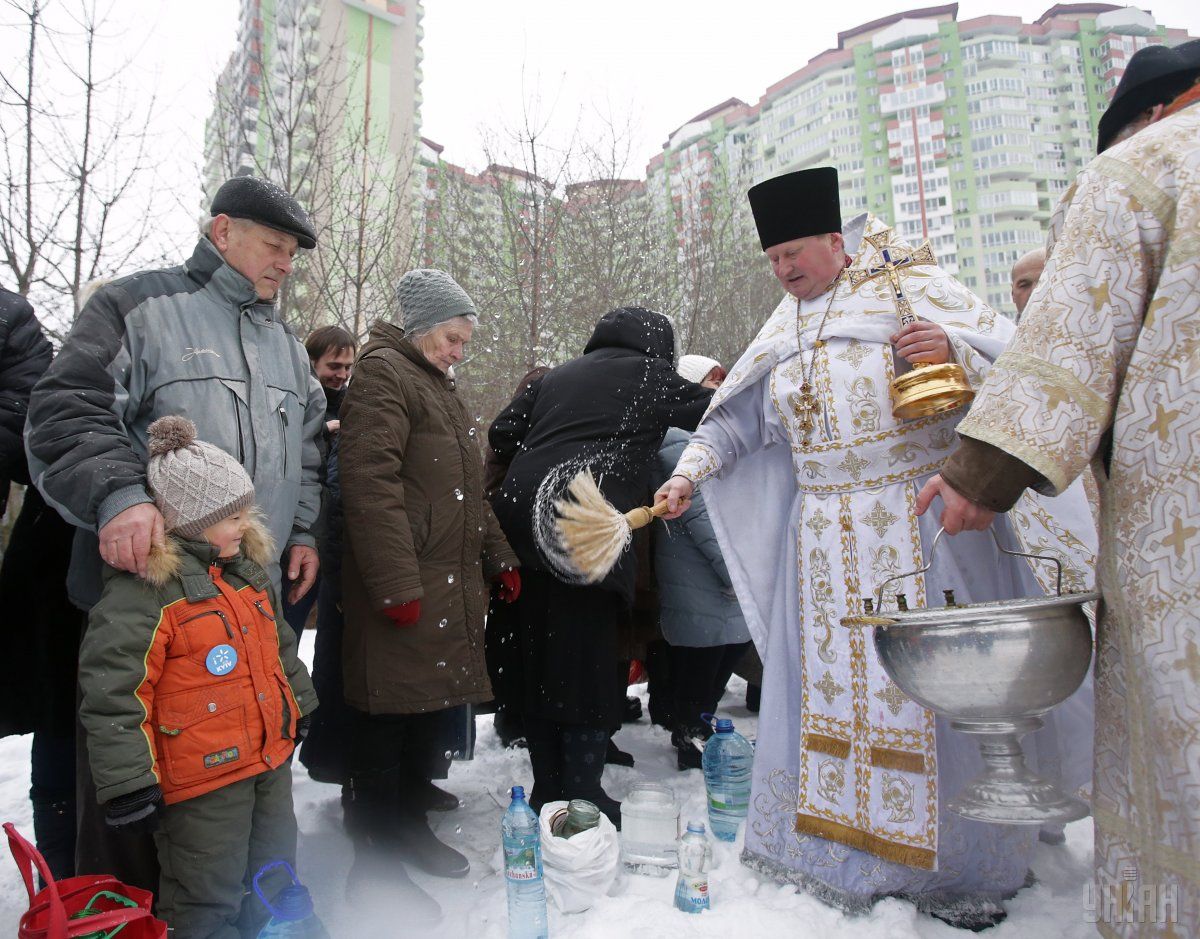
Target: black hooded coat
<point x="608" y="409"/>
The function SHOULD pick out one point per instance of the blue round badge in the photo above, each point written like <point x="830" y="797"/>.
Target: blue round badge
<point x="221" y="660"/>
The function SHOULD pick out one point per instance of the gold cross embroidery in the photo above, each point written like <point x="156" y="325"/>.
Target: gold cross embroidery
<point x="1179" y="536"/>
<point x="1162" y="422"/>
<point x="892" y="268"/>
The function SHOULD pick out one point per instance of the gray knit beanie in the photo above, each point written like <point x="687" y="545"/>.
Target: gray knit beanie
<point x="428" y="297"/>
<point x="194" y="484"/>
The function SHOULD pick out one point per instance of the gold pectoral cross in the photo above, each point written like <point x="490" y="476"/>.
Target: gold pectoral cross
<point x="928" y="388"/>
<point x="805" y="404"/>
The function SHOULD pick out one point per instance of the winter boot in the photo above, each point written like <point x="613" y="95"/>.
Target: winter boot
<point x="615" y="756"/>
<point x="688" y="741"/>
<point x="433" y="798"/>
<point x="420" y="847"/>
<point x="54" y="831"/>
<point x="378" y="879"/>
<point x="753" y="698"/>
<point x="583" y="751"/>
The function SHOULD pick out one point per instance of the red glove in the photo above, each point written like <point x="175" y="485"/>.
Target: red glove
<point x="404" y="614"/>
<point x="509" y="583"/>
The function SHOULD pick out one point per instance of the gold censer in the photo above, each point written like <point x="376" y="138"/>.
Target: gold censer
<point x="926" y="389"/>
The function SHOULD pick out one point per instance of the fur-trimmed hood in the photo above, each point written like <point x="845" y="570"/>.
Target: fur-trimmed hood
<point x="166" y="560"/>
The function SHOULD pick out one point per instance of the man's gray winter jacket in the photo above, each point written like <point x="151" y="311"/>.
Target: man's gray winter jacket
<point x="191" y="340"/>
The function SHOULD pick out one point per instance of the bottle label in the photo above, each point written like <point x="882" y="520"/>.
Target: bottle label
<point x="522" y="863"/>
<point x="691" y="896"/>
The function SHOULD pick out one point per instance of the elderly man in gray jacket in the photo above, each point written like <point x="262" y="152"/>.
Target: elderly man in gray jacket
<point x="203" y="340"/>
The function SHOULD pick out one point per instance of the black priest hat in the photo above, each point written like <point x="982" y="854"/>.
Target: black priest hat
<point x="1155" y="75"/>
<point x="796" y="205"/>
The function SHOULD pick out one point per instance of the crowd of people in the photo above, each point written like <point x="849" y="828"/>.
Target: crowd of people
<point x="200" y="485"/>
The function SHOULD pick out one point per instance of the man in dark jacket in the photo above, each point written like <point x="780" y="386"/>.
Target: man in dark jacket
<point x="606" y="410"/>
<point x="203" y="340"/>
<point x="40" y="628"/>
<point x="331" y="352"/>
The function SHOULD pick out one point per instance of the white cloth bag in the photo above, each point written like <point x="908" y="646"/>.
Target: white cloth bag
<point x="578" y="870"/>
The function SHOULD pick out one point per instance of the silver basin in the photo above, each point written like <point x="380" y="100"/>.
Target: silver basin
<point x="993" y="670"/>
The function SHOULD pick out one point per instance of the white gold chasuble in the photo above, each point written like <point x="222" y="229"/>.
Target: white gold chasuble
<point x="1105" y="370"/>
<point x="868" y="770"/>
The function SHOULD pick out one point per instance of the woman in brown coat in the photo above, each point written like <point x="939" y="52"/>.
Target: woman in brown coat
<point x="421" y="545"/>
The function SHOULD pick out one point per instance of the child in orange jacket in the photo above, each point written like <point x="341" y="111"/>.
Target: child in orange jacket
<point x="193" y="696"/>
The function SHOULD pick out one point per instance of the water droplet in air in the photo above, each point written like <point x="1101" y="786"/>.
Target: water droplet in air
<point x="448" y="755"/>
<point x="458" y="494"/>
<point x="449" y="578"/>
<point x="443" y="624"/>
<point x="441" y="664"/>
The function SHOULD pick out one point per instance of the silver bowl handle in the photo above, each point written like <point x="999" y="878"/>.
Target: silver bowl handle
<point x="1003" y="550"/>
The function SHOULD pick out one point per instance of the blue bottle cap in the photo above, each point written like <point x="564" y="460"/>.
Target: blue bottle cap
<point x="696" y="827"/>
<point x="518" y="792"/>
<point x="292" y="904"/>
<point x="724" y="725"/>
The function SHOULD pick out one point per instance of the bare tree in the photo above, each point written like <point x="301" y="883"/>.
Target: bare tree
<point x="73" y="208"/>
<point x="294" y="124"/>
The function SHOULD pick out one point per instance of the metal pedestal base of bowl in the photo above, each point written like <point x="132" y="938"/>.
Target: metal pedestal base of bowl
<point x="1007" y="792"/>
<point x="992" y="670"/>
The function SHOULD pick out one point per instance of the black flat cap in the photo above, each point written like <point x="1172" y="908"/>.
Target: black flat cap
<point x="258" y="200"/>
<point x="796" y="205"/>
<point x="1155" y="75"/>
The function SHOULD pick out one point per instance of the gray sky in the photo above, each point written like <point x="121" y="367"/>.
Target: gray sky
<point x="647" y="63"/>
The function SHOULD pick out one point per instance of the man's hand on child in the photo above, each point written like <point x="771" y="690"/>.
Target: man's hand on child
<point x="125" y="541"/>
<point x="303" y="725"/>
<point x="135" y="812"/>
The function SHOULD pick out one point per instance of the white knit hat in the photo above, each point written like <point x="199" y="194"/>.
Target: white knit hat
<point x="194" y="484"/>
<point x="695" y="367"/>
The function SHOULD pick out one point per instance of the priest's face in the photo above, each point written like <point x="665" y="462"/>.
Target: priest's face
<point x="807" y="266"/>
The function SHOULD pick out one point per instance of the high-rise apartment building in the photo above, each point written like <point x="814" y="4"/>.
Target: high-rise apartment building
<point x="323" y="98"/>
<point x="965" y="132"/>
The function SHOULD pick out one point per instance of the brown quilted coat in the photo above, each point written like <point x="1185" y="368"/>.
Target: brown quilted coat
<point x="416" y="527"/>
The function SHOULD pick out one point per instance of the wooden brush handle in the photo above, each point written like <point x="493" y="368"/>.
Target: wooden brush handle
<point x="645" y="514"/>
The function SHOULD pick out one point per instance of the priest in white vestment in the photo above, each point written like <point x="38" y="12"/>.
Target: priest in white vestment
<point x="811" y="484"/>
<point x="1105" y="371"/>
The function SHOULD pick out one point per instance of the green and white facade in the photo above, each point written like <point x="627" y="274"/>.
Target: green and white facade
<point x="965" y="132"/>
<point x="363" y="55"/>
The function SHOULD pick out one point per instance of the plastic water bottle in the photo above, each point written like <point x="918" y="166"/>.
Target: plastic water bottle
<point x="523" y="870"/>
<point x="292" y="915"/>
<point x="728" y="759"/>
<point x="695" y="856"/>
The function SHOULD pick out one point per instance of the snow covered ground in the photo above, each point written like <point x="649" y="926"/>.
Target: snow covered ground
<point x="744" y="904"/>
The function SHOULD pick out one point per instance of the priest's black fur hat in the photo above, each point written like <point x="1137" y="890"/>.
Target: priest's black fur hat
<point x="261" y="201"/>
<point x="796" y="205"/>
<point x="1154" y="75"/>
